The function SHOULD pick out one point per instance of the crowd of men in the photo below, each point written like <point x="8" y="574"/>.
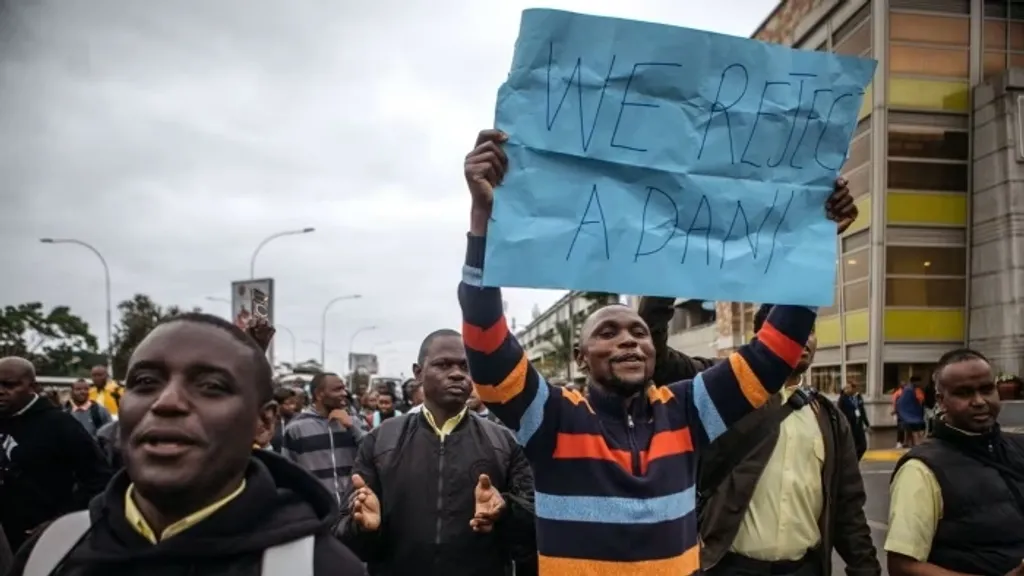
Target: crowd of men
<point x="661" y="464"/>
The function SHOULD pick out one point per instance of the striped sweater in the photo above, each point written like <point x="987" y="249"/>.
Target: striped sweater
<point x="614" y="498"/>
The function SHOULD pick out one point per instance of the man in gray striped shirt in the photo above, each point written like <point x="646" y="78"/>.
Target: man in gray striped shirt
<point x="324" y="438"/>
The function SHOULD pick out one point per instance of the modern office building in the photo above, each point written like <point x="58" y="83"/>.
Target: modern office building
<point x="936" y="259"/>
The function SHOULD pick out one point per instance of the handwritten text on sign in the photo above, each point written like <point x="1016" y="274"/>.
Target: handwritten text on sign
<point x="650" y="159"/>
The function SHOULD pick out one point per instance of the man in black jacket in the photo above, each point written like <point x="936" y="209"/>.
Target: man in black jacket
<point x="476" y="518"/>
<point x="49" y="464"/>
<point x="957" y="500"/>
<point x="194" y="498"/>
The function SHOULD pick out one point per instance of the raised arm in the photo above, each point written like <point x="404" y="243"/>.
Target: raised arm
<point x="504" y="378"/>
<point x="723" y="394"/>
<point x="670" y="365"/>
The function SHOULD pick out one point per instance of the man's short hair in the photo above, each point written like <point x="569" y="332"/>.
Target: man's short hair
<point x="283" y="393"/>
<point x="956" y="356"/>
<point x="422" y="356"/>
<point x="318" y="380"/>
<point x="264" y="373"/>
<point x="384" y="390"/>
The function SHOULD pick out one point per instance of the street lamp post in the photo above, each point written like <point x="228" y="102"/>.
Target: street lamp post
<point x="352" y="340"/>
<point x="323" y="324"/>
<point x="290" y="334"/>
<point x="106" y="280"/>
<point x="267" y="240"/>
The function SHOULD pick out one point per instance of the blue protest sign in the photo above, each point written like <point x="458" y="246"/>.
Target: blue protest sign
<point x="651" y="159"/>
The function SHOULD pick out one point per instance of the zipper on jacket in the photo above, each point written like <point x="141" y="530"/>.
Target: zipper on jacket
<point x="334" y="464"/>
<point x="440" y="493"/>
<point x="633" y="449"/>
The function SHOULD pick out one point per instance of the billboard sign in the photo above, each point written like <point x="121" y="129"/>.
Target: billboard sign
<point x="253" y="299"/>
<point x="367" y="362"/>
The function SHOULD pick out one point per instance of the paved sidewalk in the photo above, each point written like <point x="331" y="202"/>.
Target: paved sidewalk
<point x="894" y="454"/>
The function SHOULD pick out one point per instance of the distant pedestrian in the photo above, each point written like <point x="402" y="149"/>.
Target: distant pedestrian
<point x="91" y="415"/>
<point x="851" y="403"/>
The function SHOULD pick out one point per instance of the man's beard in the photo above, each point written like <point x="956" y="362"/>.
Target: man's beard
<point x="622" y="387"/>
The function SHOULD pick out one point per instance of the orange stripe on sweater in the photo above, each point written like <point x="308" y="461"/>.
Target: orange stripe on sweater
<point x="508" y="388"/>
<point x="570" y="446"/>
<point x="683" y="565"/>
<point x="750" y="384"/>
<point x="781" y="345"/>
<point x="486" y="341"/>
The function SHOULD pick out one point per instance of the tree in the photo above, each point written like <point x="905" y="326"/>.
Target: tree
<point x="561" y="342"/>
<point x="57" y="342"/>
<point x="138" y="317"/>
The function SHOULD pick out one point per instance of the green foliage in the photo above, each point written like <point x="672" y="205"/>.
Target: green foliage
<point x="139" y="316"/>
<point x="57" y="342"/>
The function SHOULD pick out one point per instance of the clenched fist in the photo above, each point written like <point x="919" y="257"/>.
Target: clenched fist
<point x="484" y="169"/>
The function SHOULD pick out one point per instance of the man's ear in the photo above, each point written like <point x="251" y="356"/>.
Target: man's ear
<point x="416" y="371"/>
<point x="265" y="422"/>
<point x="581" y="361"/>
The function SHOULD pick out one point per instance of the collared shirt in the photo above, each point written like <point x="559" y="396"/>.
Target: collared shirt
<point x="915" y="508"/>
<point x="782" y="520"/>
<point x="81" y="407"/>
<point x="139" y="523"/>
<point x="449" y="424"/>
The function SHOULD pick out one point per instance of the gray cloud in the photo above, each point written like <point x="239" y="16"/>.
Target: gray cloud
<point x="174" y="136"/>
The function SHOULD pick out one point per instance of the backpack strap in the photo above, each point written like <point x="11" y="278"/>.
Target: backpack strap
<point x="388" y="434"/>
<point x="500" y="440"/>
<point x="293" y="558"/>
<point x="56" y="542"/>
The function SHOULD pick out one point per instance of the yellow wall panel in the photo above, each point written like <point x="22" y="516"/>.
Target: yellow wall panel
<point x="857" y="325"/>
<point x="948" y="96"/>
<point x="904" y="207"/>
<point x="863" y="215"/>
<point x="923" y="325"/>
<point x="865" y="105"/>
<point x="827" y="331"/>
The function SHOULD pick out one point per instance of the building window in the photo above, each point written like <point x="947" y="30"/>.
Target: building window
<point x="829" y="379"/>
<point x="855" y="265"/>
<point x="919" y="28"/>
<point x="947" y="63"/>
<point x="925" y="292"/>
<point x="856" y="296"/>
<point x="1013" y="9"/>
<point x="856" y="241"/>
<point x="921" y="142"/>
<point x="857" y="42"/>
<point x="859" y="180"/>
<point x="859" y="153"/>
<point x="999" y="33"/>
<point x="896" y="376"/>
<point x="926" y="176"/>
<point x="925" y="261"/>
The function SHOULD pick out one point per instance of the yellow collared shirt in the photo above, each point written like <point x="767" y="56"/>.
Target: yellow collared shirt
<point x="782" y="520"/>
<point x="106" y="397"/>
<point x="139" y="523"/>
<point x="449" y="424"/>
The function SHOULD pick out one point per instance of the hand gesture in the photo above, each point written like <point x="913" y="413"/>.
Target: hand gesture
<point x="840" y="208"/>
<point x="260" y="331"/>
<point x="489" y="505"/>
<point x="365" y="505"/>
<point x="341" y="416"/>
<point x="485" y="167"/>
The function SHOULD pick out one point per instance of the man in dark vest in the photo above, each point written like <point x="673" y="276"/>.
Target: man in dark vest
<point x="957" y="500"/>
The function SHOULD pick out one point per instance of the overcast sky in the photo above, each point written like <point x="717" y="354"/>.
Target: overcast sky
<point x="174" y="136"/>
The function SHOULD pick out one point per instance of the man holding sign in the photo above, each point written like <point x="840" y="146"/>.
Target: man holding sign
<point x="615" y="470"/>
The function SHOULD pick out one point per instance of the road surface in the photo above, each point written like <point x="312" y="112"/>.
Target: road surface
<point x="876" y="483"/>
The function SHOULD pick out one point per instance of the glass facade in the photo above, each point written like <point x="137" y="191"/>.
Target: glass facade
<point x="903" y="271"/>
